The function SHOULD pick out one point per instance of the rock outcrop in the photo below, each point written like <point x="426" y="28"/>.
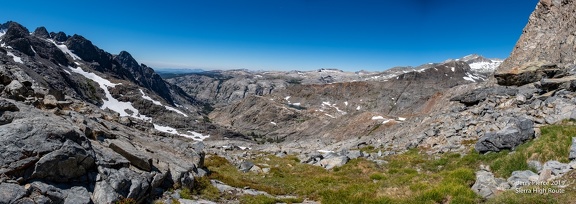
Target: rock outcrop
<point x="58" y="144"/>
<point x="548" y="39"/>
<point x="515" y="133"/>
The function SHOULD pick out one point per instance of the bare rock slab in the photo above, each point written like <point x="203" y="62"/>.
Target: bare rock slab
<point x="133" y="155"/>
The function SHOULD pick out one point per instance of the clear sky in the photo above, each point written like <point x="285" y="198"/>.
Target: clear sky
<point x="284" y="34"/>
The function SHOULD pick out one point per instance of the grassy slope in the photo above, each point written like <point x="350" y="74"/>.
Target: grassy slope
<point x="411" y="177"/>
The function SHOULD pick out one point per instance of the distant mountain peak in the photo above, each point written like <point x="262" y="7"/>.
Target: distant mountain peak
<point x="41" y="32"/>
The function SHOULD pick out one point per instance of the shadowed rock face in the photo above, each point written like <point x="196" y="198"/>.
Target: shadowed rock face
<point x="548" y="38"/>
<point x="41" y="32"/>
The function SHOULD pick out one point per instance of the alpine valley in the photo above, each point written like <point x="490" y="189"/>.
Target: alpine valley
<point x="81" y="125"/>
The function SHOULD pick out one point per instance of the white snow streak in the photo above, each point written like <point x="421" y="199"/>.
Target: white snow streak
<point x="146" y="97"/>
<point x="485" y="66"/>
<point x="65" y="49"/>
<point x="471" y="77"/>
<point x="16" y="58"/>
<point x="329" y="115"/>
<point x="110" y="102"/>
<point x="194" y="135"/>
<point x="378" y="118"/>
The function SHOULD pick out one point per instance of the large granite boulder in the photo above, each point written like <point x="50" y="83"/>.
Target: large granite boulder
<point x="516" y="132"/>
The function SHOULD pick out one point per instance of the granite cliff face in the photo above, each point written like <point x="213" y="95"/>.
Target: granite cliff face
<point x="548" y="42"/>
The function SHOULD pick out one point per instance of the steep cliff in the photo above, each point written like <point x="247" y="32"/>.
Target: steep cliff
<point x="548" y="42"/>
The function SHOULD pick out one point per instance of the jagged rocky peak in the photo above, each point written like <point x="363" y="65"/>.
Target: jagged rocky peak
<point x="548" y="40"/>
<point x="16" y="36"/>
<point x="82" y="47"/>
<point x="41" y="32"/>
<point x="15" y="31"/>
<point x="4" y="27"/>
<point x="59" y="37"/>
<point x="126" y="59"/>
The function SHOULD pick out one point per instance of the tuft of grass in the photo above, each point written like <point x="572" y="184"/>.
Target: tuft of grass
<point x="204" y="189"/>
<point x="174" y="201"/>
<point x="262" y="199"/>
<point x="126" y="201"/>
<point x="377" y="176"/>
<point x="186" y="193"/>
<point x="368" y="149"/>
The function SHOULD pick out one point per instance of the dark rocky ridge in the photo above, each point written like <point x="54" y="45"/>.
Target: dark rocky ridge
<point x="58" y="146"/>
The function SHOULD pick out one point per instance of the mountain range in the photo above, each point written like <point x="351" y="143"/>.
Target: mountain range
<point x="81" y="125"/>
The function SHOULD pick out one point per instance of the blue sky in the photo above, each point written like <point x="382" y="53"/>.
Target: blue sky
<point x="285" y="34"/>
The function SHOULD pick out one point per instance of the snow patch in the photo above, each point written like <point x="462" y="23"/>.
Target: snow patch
<point x="324" y="104"/>
<point x="358" y="108"/>
<point x="472" y="77"/>
<point x="65" y="49"/>
<point x="485" y="66"/>
<point x="378" y="118"/>
<point x="401" y="119"/>
<point x="170" y="130"/>
<point x="329" y="115"/>
<point x="346" y="103"/>
<point x="244" y="148"/>
<point x="16" y="58"/>
<point x="387" y="121"/>
<point x="146" y="97"/>
<point x="287" y="97"/>
<point x="273" y="123"/>
<point x="324" y="151"/>
<point x="453" y="69"/>
<point x="296" y="104"/>
<point x="110" y="102"/>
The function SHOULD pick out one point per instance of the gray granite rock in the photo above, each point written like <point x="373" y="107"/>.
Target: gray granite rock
<point x="485" y="184"/>
<point x="522" y="178"/>
<point x="517" y="132"/>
